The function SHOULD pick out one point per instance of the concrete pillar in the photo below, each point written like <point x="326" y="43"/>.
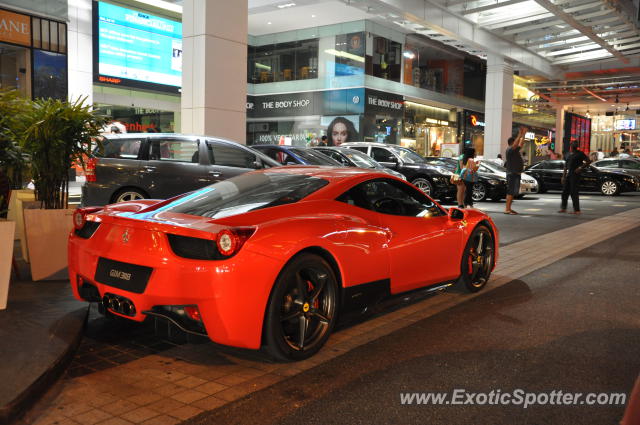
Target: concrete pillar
<point x="560" y="110"/>
<point x="79" y="48"/>
<point x="498" y="113"/>
<point x="214" y="72"/>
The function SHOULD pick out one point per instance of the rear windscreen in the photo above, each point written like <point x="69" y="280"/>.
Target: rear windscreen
<point x="120" y="148"/>
<point x="245" y="193"/>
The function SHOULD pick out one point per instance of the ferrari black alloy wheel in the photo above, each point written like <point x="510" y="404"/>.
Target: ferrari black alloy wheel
<point x="477" y="259"/>
<point x="302" y="309"/>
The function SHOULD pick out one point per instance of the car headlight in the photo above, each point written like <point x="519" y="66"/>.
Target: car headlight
<point x="493" y="181"/>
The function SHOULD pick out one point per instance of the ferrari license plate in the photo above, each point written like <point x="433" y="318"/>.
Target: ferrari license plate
<point x="129" y="277"/>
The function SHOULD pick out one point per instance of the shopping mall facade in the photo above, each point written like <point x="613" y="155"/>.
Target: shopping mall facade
<point x="395" y="86"/>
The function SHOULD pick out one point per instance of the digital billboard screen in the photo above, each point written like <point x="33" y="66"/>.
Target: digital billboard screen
<point x="136" y="49"/>
<point x="628" y="124"/>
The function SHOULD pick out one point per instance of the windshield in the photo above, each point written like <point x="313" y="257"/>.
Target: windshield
<point x="407" y="155"/>
<point x="312" y="157"/>
<point x="360" y="159"/>
<point x="444" y="163"/>
<point x="246" y="192"/>
<point x="494" y="167"/>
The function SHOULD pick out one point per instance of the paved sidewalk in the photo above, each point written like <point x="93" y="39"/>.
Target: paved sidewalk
<point x="182" y="381"/>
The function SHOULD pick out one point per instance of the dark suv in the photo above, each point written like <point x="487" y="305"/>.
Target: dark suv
<point x="143" y="165"/>
<point x="432" y="180"/>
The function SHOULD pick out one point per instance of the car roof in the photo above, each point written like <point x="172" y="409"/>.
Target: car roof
<point x="367" y="144"/>
<point x="280" y="147"/>
<point x="167" y="135"/>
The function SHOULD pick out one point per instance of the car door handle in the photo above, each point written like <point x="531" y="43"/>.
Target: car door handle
<point x="149" y="168"/>
<point x="214" y="174"/>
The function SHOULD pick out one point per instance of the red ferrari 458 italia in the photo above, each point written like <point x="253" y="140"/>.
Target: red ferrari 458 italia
<point x="272" y="257"/>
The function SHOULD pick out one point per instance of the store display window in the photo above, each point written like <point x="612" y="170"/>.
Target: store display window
<point x="295" y="60"/>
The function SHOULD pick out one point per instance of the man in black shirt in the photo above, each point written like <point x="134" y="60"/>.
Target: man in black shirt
<point x="576" y="162"/>
<point x="514" y="165"/>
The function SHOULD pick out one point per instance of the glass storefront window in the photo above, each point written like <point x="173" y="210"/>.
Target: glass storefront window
<point x="296" y="60"/>
<point x="385" y="61"/>
<point x="350" y="54"/>
<point x="49" y="75"/>
<point x="430" y="66"/>
<point x="139" y="120"/>
<point x="15" y="69"/>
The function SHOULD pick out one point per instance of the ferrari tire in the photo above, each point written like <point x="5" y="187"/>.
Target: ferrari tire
<point x="477" y="259"/>
<point x="302" y="309"/>
<point x="128" y="194"/>
<point x="424" y="185"/>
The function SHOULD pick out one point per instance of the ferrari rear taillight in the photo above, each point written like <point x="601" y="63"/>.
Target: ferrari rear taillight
<point x="225" y="244"/>
<point x="80" y="216"/>
<point x="229" y="241"/>
<point x="192" y="312"/>
<point x="90" y="169"/>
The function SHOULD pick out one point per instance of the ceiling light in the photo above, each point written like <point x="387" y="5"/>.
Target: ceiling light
<point x="313" y="16"/>
<point x="282" y="6"/>
<point x="409" y="55"/>
<point x="268" y="23"/>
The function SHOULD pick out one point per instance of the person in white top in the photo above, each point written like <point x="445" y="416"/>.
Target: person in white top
<point x="600" y="154"/>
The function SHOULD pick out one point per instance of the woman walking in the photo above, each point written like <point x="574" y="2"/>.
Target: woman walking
<point x="469" y="175"/>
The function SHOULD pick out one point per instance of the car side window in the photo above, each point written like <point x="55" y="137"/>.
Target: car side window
<point x="362" y="149"/>
<point x="555" y="165"/>
<point x="392" y="198"/>
<point x="121" y="148"/>
<point x="632" y="165"/>
<point x="226" y="155"/>
<point x="338" y="157"/>
<point x="609" y="163"/>
<point x="175" y="150"/>
<point x="382" y="155"/>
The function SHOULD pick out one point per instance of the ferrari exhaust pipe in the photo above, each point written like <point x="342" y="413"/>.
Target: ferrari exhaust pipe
<point x="118" y="304"/>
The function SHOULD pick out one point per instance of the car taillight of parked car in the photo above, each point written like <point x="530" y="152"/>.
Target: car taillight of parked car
<point x="80" y="216"/>
<point x="230" y="241"/>
<point x="90" y="171"/>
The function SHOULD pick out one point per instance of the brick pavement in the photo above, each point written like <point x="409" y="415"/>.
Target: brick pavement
<point x="181" y="381"/>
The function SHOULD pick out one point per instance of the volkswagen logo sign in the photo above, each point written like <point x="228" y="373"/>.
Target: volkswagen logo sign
<point x="356" y="99"/>
<point x="125" y="236"/>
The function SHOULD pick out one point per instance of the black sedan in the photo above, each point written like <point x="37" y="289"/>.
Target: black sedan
<point x="353" y="158"/>
<point x="431" y="179"/>
<point x="490" y="185"/>
<point x="629" y="165"/>
<point x="608" y="182"/>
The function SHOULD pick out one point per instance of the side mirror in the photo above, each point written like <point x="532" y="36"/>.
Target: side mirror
<point x="256" y="165"/>
<point x="456" y="213"/>
<point x="390" y="163"/>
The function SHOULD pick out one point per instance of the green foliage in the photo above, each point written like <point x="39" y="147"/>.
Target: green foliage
<point x="57" y="134"/>
<point x="12" y="159"/>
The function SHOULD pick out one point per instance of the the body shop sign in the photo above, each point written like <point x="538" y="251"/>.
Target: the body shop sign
<point x="328" y="102"/>
<point x="384" y="103"/>
<point x="15" y="28"/>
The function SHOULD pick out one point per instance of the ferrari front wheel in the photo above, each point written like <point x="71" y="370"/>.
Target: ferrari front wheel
<point x="477" y="259"/>
<point x="302" y="309"/>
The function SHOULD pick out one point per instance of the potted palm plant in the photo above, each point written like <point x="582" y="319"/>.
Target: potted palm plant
<point x="55" y="134"/>
<point x="11" y="166"/>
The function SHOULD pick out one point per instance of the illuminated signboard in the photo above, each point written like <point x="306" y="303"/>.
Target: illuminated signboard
<point x="625" y="124"/>
<point x="475" y="121"/>
<point x="136" y="49"/>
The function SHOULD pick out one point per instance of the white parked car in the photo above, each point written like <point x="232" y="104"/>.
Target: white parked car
<point x="528" y="184"/>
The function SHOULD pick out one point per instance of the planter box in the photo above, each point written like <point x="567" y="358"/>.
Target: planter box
<point x="7" y="230"/>
<point x="47" y="234"/>
<point x="15" y="214"/>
